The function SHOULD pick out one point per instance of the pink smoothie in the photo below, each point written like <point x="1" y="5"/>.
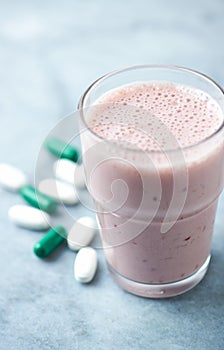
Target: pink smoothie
<point x="159" y="166"/>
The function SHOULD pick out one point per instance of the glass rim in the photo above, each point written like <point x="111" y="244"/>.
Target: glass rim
<point x="97" y="82"/>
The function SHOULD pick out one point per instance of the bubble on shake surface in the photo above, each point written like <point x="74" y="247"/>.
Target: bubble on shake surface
<point x="149" y="115"/>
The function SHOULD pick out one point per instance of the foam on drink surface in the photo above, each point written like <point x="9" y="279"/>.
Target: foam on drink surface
<point x="155" y="115"/>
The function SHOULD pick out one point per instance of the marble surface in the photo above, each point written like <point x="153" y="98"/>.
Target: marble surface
<point x="50" y="52"/>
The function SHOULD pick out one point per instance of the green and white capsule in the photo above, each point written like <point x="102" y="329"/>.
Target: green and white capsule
<point x="50" y="241"/>
<point x="38" y="200"/>
<point x="62" y="149"/>
<point x="15" y="180"/>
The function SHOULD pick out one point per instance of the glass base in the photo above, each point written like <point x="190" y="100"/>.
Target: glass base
<point x="164" y="290"/>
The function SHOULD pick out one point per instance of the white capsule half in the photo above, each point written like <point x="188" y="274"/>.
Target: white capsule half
<point x="28" y="217"/>
<point x="81" y="233"/>
<point x="12" y="178"/>
<point x="59" y="191"/>
<point x="70" y="172"/>
<point x="85" y="265"/>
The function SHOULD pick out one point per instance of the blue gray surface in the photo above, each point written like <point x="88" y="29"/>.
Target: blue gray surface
<point x="50" y="52"/>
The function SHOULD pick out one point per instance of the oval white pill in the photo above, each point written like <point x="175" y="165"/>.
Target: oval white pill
<point x="11" y="177"/>
<point x="80" y="179"/>
<point x="28" y="217"/>
<point x="85" y="265"/>
<point x="70" y="172"/>
<point x="59" y="191"/>
<point x="81" y="233"/>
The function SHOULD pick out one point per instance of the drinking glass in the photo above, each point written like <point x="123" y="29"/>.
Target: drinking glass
<point x="155" y="209"/>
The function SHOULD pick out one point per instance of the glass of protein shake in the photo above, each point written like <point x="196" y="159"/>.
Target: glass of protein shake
<point x="153" y="147"/>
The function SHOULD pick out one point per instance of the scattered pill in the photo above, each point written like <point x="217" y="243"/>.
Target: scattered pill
<point x="81" y="233"/>
<point x="38" y="200"/>
<point x="28" y="217"/>
<point x="85" y="265"/>
<point x="50" y="241"/>
<point x="62" y="149"/>
<point x="59" y="191"/>
<point x="70" y="172"/>
<point x="12" y="178"/>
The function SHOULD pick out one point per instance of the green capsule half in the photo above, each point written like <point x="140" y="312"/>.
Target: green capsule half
<point x="38" y="199"/>
<point x="50" y="241"/>
<point x="61" y="149"/>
